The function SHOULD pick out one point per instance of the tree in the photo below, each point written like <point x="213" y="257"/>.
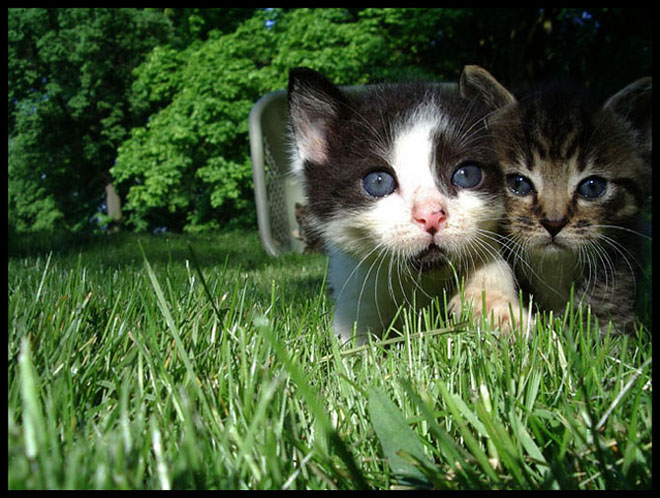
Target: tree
<point x="193" y="24"/>
<point x="69" y="73"/>
<point x="189" y="167"/>
<point x="171" y="127"/>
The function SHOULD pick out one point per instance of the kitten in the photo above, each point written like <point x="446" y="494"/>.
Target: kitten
<point x="578" y="173"/>
<point x="402" y="188"/>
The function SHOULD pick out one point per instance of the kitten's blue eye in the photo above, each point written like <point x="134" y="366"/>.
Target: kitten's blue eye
<point x="379" y="183"/>
<point x="520" y="185"/>
<point x="592" y="187"/>
<point x="467" y="176"/>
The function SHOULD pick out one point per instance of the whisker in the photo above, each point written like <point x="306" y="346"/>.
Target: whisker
<point x="350" y="276"/>
<point x="365" y="281"/>
<point x="626" y="229"/>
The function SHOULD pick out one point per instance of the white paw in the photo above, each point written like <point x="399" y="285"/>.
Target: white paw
<point x="507" y="315"/>
<point x="504" y="312"/>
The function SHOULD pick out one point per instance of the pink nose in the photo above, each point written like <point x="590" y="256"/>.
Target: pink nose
<point x="430" y="217"/>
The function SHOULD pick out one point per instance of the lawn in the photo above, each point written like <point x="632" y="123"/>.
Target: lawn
<point x="164" y="361"/>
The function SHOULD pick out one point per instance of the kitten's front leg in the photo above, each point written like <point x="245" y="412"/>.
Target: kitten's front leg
<point x="362" y="302"/>
<point x="611" y="300"/>
<point x="496" y="280"/>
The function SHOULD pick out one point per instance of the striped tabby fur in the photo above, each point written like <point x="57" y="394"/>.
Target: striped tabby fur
<point x="577" y="174"/>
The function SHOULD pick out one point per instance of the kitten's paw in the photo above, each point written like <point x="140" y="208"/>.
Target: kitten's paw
<point x="455" y="306"/>
<point x="504" y="312"/>
<point x="507" y="315"/>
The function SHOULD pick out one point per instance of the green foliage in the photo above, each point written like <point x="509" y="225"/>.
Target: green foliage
<point x="69" y="72"/>
<point x="31" y="206"/>
<point x="194" y="24"/>
<point x="159" y="98"/>
<point x="192" y="159"/>
<point x="399" y="442"/>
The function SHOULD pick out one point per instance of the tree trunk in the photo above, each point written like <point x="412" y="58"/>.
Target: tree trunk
<point x="113" y="203"/>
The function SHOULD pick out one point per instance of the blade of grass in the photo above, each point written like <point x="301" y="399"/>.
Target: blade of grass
<point x="161" y="466"/>
<point x="259" y="417"/>
<point x="459" y="327"/>
<point x="313" y="401"/>
<point x="452" y="453"/>
<point x="177" y="339"/>
<point x="470" y="441"/>
<point x="204" y="285"/>
<point x="621" y="394"/>
<point x="43" y="278"/>
<point x="395" y="435"/>
<point x="502" y="441"/>
<point x="35" y="432"/>
<point x="171" y="323"/>
<point x="33" y="421"/>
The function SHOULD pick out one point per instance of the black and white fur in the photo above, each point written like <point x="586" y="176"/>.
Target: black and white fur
<point x="428" y="145"/>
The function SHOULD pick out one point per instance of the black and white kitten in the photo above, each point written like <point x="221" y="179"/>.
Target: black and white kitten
<point x="403" y="190"/>
<point x="578" y="172"/>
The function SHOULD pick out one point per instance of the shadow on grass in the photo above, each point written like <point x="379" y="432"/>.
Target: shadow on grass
<point x="236" y="249"/>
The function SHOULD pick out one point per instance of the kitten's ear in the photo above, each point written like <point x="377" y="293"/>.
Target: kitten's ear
<point x="314" y="103"/>
<point x="634" y="104"/>
<point x="476" y="82"/>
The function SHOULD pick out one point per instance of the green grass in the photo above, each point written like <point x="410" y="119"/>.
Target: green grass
<point x="134" y="363"/>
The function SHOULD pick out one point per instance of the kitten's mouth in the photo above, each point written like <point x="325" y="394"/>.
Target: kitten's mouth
<point x="551" y="249"/>
<point x="430" y="258"/>
<point x="553" y="245"/>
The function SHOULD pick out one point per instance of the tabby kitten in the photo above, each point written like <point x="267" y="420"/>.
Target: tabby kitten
<point x="402" y="188"/>
<point x="577" y="172"/>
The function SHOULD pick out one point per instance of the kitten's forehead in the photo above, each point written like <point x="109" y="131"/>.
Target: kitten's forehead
<point x="540" y="167"/>
<point x="413" y="146"/>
